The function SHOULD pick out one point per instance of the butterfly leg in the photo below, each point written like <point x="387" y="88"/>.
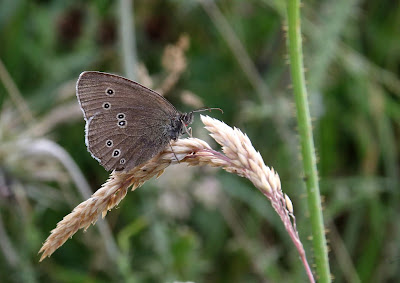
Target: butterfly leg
<point x="176" y="157"/>
<point x="187" y="130"/>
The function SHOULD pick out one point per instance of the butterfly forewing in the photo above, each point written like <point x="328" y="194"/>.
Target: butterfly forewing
<point x="126" y="123"/>
<point x="95" y="89"/>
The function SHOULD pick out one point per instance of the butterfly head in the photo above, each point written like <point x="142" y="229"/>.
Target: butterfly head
<point x="187" y="118"/>
<point x="183" y="120"/>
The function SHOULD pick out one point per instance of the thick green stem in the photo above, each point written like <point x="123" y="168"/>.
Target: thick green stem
<point x="307" y="142"/>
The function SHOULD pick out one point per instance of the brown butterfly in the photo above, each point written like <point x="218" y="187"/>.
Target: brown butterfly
<point x="126" y="123"/>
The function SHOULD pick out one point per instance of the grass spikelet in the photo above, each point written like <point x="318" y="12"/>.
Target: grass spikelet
<point x="114" y="190"/>
<point x="238" y="157"/>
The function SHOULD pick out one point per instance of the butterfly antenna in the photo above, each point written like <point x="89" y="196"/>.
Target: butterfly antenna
<point x="208" y="109"/>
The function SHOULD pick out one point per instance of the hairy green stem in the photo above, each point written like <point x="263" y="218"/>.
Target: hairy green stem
<point x="307" y="142"/>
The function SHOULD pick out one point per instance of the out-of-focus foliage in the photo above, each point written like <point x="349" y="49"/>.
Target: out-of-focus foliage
<point x="198" y="224"/>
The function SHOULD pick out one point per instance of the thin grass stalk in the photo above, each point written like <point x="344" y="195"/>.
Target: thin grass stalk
<point x="237" y="49"/>
<point x="9" y="253"/>
<point x="15" y="95"/>
<point x="307" y="142"/>
<point x="347" y="268"/>
<point x="326" y="38"/>
<point x="128" y="39"/>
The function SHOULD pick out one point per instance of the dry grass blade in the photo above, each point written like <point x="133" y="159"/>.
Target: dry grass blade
<point x="239" y="157"/>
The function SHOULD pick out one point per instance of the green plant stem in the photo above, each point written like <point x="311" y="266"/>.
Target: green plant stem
<point x="307" y="142"/>
<point x="128" y="39"/>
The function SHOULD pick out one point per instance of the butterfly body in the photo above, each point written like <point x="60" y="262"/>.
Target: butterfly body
<point x="126" y="123"/>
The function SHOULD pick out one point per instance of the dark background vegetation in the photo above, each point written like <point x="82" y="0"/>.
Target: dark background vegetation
<point x="198" y="224"/>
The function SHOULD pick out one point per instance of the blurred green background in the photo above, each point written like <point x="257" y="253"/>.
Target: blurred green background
<point x="202" y="224"/>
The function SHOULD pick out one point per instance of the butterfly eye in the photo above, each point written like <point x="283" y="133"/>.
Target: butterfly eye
<point x="109" y="143"/>
<point x="106" y="105"/>
<point x="109" y="91"/>
<point x="120" y="116"/>
<point x="122" y="124"/>
<point x="116" y="153"/>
